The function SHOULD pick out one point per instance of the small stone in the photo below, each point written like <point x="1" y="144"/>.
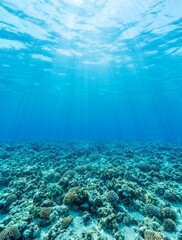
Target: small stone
<point x="47" y="203"/>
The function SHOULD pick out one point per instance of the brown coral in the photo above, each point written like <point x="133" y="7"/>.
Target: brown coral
<point x="44" y="212"/>
<point x="151" y="235"/>
<point x="66" y="222"/>
<point x="10" y="232"/>
<point x="69" y="198"/>
<point x="75" y="196"/>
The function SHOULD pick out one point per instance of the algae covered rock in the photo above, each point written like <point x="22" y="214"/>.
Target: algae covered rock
<point x="129" y="220"/>
<point x="38" y="198"/>
<point x="52" y="176"/>
<point x="154" y="167"/>
<point x="143" y="166"/>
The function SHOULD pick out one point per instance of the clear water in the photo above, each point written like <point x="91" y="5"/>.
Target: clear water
<point x="90" y="70"/>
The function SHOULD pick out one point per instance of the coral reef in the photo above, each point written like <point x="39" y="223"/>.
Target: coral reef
<point x="82" y="191"/>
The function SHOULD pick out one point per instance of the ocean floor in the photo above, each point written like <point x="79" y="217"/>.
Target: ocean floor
<point x="121" y="191"/>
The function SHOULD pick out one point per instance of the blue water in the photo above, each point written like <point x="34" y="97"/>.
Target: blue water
<point x="90" y="70"/>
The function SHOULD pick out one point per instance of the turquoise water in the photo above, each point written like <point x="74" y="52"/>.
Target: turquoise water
<point x="90" y="70"/>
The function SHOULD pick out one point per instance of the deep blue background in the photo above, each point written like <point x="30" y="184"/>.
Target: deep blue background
<point x="106" y="101"/>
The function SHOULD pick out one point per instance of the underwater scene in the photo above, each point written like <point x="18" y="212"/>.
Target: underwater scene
<point x="91" y="120"/>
